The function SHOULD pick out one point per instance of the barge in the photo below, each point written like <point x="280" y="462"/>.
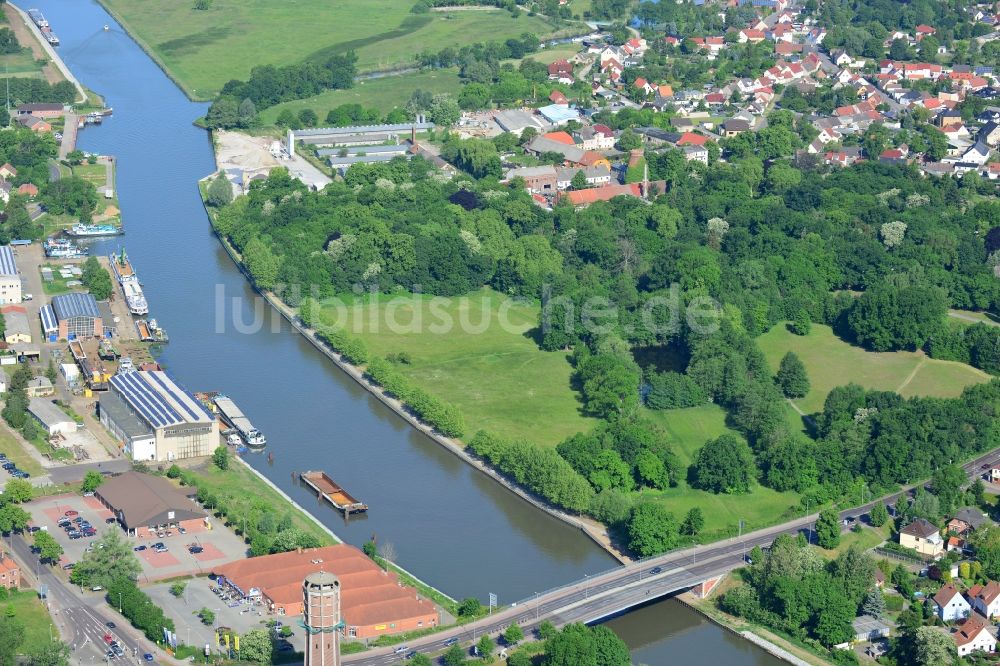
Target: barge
<point x="149" y="331"/>
<point x="93" y="230"/>
<point x="325" y="487"/>
<point x="234" y="417"/>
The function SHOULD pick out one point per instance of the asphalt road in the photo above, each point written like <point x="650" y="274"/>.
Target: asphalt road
<point x="614" y="591"/>
<point x="80" y="617"/>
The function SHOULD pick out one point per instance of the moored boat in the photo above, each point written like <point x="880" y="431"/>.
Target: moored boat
<point x="91" y="230"/>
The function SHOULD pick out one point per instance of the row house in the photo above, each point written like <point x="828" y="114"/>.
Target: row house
<point x="711" y="44"/>
<point x="844" y="157"/>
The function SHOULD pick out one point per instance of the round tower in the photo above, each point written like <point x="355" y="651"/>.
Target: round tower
<point x="321" y="618"/>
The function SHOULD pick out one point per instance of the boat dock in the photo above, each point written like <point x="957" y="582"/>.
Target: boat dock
<point x="325" y="487"/>
<point x="234" y="417"/>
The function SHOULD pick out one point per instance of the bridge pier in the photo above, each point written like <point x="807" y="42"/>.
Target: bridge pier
<point x="704" y="588"/>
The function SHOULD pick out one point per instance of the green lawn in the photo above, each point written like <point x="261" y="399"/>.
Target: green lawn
<point x="16" y="453"/>
<point x="204" y="49"/>
<point x="832" y="362"/>
<point x="95" y="174"/>
<point x="33" y="615"/>
<point x="970" y="317"/>
<point x="499" y="378"/>
<point x="383" y="94"/>
<point x="21" y="65"/>
<point x="688" y="430"/>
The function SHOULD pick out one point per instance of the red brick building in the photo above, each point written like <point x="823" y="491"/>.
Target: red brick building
<point x="10" y="573"/>
<point x="372" y="602"/>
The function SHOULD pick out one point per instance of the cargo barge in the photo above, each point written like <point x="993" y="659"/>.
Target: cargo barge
<point x="234" y="417"/>
<point x="325" y="487"/>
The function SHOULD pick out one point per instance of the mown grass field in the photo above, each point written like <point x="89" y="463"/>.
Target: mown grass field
<point x="490" y="369"/>
<point x="383" y="94"/>
<point x="15" y="452"/>
<point x="831" y="362"/>
<point x="688" y="430"/>
<point x="205" y="49"/>
<point x="32" y="614"/>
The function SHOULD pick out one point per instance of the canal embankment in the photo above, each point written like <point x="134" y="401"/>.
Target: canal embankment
<point x="51" y="53"/>
<point x="592" y="529"/>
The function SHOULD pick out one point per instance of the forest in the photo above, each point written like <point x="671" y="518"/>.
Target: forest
<point x="877" y="252"/>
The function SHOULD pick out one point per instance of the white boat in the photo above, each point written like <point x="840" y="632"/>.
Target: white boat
<point x="232" y="415"/>
<point x="134" y="297"/>
<point x="106" y="27"/>
<point x="94" y="230"/>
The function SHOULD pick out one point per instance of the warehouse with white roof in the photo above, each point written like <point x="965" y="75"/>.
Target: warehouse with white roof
<point x="157" y="420"/>
<point x="10" y="279"/>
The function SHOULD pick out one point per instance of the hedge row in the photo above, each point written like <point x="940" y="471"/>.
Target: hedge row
<point x="541" y="470"/>
<point x="442" y="416"/>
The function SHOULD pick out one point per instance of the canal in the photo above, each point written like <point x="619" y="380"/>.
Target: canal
<point x="450" y="526"/>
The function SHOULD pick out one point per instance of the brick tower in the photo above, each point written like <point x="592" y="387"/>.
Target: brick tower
<point x="321" y="618"/>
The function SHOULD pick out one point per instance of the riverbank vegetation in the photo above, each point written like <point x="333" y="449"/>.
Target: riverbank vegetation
<point x="659" y="308"/>
<point x="202" y="50"/>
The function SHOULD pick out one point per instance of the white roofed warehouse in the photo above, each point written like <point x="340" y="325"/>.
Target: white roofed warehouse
<point x="10" y="279"/>
<point x="182" y="426"/>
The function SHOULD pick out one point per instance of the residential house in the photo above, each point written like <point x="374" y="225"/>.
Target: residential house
<point x="950" y="605"/>
<point x="595" y="137"/>
<point x="985" y="599"/>
<point x="10" y="573"/>
<point x="976" y="155"/>
<point x="924" y="30"/>
<point x="974" y="636"/>
<point x="7" y="171"/>
<point x="734" y="127"/>
<point x="691" y="139"/>
<point x="561" y="70"/>
<point x="751" y="35"/>
<point x="967" y="520"/>
<point x="5" y="190"/>
<point x="989" y="134"/>
<point x="28" y="190"/>
<point x="695" y="154"/>
<point x="583" y="198"/>
<point x="558" y="98"/>
<point x="923" y="537"/>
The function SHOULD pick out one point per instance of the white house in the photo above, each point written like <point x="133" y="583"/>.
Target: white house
<point x="986" y="598"/>
<point x="951" y="605"/>
<point x="974" y="635"/>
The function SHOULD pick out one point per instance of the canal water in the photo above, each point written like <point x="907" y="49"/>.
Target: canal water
<point x="450" y="526"/>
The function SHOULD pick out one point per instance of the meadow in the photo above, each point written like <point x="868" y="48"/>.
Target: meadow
<point x="687" y="431"/>
<point x="498" y="378"/>
<point x="383" y="94"/>
<point x="503" y="383"/>
<point x="831" y="362"/>
<point x="203" y="49"/>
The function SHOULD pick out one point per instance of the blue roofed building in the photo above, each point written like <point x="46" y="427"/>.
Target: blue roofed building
<point x="78" y="316"/>
<point x="10" y="279"/>
<point x="558" y="114"/>
<point x="155" y="419"/>
<point x="50" y="325"/>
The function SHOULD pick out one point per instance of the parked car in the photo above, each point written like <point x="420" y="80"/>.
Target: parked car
<point x="69" y="566"/>
<point x="148" y="656"/>
<point x="75" y="535"/>
<point x="139" y="549"/>
<point x="72" y="513"/>
<point x="96" y="588"/>
<point x="110" y="521"/>
<point x="194" y="550"/>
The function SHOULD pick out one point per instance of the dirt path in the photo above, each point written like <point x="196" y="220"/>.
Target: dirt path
<point x="974" y="320"/>
<point x="798" y="410"/>
<point x="913" y="373"/>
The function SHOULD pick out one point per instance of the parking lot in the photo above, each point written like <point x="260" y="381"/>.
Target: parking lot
<point x="197" y="595"/>
<point x="217" y="545"/>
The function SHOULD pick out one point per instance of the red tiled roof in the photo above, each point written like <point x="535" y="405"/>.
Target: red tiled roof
<point x="691" y="139"/>
<point x="557" y="97"/>
<point x="945" y="594"/>
<point x="561" y="137"/>
<point x="605" y="193"/>
<point x="986" y="593"/>
<point x="969" y="630"/>
<point x="604" y="129"/>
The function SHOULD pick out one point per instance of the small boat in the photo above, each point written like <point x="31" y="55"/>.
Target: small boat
<point x="85" y="230"/>
<point x="106" y="27"/>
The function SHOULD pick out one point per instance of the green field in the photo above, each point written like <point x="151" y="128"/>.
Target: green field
<point x="688" y="430"/>
<point x="16" y="453"/>
<point x="21" y="64"/>
<point x="383" y="94"/>
<point x="33" y="615"/>
<point x="831" y="362"/>
<point x="499" y="378"/>
<point x="203" y="50"/>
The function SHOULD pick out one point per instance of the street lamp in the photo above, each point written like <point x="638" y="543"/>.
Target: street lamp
<point x="120" y="603"/>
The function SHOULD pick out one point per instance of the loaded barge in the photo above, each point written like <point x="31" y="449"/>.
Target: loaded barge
<point x="234" y="417"/>
<point x="324" y="486"/>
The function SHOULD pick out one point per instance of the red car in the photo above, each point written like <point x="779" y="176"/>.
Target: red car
<point x="108" y="638"/>
<point x="71" y="512"/>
